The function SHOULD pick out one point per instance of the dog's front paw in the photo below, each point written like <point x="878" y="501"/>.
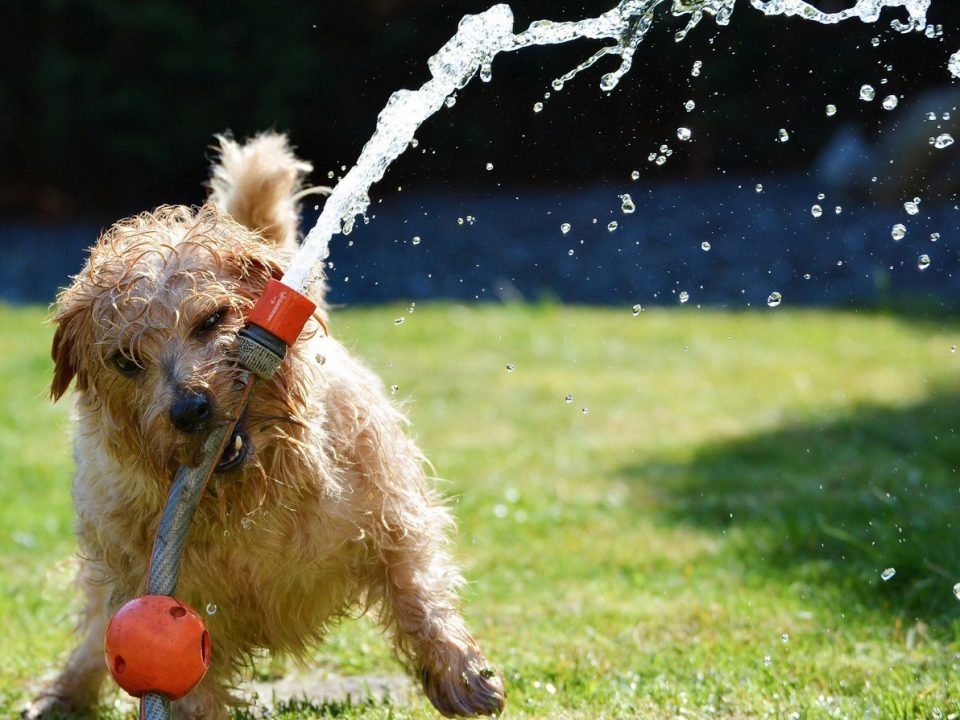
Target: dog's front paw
<point x="51" y="705"/>
<point x="466" y="685"/>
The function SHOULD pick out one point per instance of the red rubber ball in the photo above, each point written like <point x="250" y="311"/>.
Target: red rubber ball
<point x="155" y="643"/>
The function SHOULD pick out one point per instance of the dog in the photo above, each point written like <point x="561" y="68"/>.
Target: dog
<point x="318" y="507"/>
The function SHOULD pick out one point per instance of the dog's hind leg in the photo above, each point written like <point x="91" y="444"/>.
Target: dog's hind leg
<point x="417" y="580"/>
<point x="405" y="528"/>
<point x="420" y="601"/>
<point x="76" y="689"/>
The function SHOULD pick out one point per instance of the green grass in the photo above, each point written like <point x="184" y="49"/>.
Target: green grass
<point x="700" y="533"/>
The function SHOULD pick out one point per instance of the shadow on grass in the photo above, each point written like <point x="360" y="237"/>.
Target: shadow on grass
<point x="829" y="506"/>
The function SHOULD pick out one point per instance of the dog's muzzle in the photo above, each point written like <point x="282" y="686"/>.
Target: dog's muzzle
<point x="237" y="449"/>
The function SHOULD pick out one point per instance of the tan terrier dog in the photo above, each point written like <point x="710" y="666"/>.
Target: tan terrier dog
<point x="318" y="505"/>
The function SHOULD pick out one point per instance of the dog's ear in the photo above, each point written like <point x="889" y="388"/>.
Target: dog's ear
<point x="258" y="184"/>
<point x="69" y="318"/>
<point x="260" y="262"/>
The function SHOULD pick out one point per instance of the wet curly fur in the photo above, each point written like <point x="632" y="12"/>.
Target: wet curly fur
<point x="330" y="510"/>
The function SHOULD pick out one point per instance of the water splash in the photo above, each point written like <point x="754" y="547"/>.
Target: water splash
<point x="479" y="38"/>
<point x="953" y="65"/>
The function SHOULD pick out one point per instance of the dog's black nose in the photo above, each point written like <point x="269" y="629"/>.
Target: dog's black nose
<point x="191" y="412"/>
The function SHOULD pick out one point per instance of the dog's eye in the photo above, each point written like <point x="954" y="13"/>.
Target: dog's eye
<point x="211" y="322"/>
<point x="125" y="365"/>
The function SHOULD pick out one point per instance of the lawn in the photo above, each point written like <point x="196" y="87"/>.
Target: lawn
<point x="699" y="532"/>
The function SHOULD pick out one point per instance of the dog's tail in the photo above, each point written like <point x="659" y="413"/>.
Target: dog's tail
<point x="259" y="184"/>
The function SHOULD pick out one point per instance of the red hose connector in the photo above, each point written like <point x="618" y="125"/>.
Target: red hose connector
<point x="282" y="311"/>
<point x="274" y="323"/>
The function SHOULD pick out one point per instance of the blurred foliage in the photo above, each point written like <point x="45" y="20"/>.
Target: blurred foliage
<point x="105" y="106"/>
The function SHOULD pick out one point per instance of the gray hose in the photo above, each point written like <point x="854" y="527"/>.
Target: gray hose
<point x="188" y="486"/>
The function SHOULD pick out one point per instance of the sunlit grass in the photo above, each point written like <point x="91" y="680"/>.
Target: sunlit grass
<point x="700" y="531"/>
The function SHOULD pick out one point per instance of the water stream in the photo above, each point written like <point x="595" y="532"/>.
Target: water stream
<point x="470" y="52"/>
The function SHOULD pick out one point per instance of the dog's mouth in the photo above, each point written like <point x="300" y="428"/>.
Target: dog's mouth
<point x="238" y="448"/>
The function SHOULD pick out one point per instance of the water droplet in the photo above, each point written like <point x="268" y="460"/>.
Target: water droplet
<point x="875" y="41"/>
<point x="785" y="638"/>
<point x="399" y="321"/>
<point x="820" y="196"/>
<point x="394" y="389"/>
<point x="767" y="660"/>
<point x="608" y="82"/>
<point x="683" y="134"/>
<point x="831" y="110"/>
<point x="889" y="102"/>
<point x="867" y="93"/>
<point x="684" y="296"/>
<point x="550" y="688"/>
<point x="689" y="105"/>
<point x="511" y="367"/>
<point x="635" y="175"/>
<point x="537" y="107"/>
<point x="774" y="299"/>
<point x="416" y="240"/>
<point x="759" y="187"/>
<point x="695" y="70"/>
<point x="660" y="160"/>
<point x="570" y="252"/>
<point x="934" y="237"/>
<point x="211" y="608"/>
<point x="565" y="228"/>
<point x="953" y="348"/>
<point x="627" y="204"/>
<point x="557" y="84"/>
<point x="923" y="262"/>
<point x="898" y="231"/>
<point x="942" y="141"/>
<point x="911" y="207"/>
<point x="816" y="211"/>
<point x="459" y="221"/>
<point x="585" y="410"/>
<point x="450" y="101"/>
<point x="837" y="210"/>
<point x="705" y="246"/>
<point x="783" y="135"/>
<point x="637" y="309"/>
<point x="568" y="399"/>
<point x="612" y="225"/>
<point x="806" y="276"/>
<point x="489" y="166"/>
<point x="953" y="65"/>
<point x="486" y="72"/>
<point x="887" y="574"/>
<point x="246" y="523"/>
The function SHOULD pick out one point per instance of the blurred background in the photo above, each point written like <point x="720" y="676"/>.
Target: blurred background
<point x="109" y="108"/>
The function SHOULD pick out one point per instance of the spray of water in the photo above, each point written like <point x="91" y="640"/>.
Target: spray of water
<point x="471" y="51"/>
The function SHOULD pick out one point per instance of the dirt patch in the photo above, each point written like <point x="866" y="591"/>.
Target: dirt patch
<point x="319" y="688"/>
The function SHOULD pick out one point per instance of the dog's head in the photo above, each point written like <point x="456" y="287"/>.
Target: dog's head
<point x="147" y="330"/>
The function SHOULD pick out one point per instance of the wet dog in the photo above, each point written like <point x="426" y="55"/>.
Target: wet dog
<point x="318" y="506"/>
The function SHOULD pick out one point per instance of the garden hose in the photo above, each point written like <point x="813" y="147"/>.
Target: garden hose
<point x="274" y="323"/>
